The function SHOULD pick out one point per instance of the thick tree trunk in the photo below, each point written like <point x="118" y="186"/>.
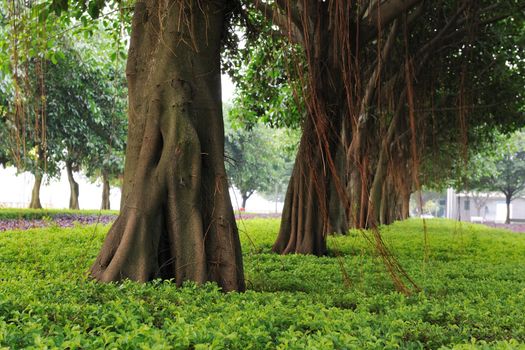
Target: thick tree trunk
<point x="105" y="205"/>
<point x="303" y="228"/>
<point x="305" y="217"/>
<point x="73" y="188"/>
<point x="176" y="219"/>
<point x="35" y="194"/>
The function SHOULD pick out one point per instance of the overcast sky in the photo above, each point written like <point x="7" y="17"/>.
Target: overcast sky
<point x="227" y="88"/>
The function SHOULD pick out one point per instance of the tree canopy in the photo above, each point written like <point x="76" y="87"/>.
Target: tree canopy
<point x="63" y="91"/>
<point x="258" y="159"/>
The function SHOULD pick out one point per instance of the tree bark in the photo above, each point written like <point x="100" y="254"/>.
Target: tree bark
<point x="337" y="216"/>
<point x="105" y="205"/>
<point x="303" y="228"/>
<point x="176" y="219"/>
<point x="35" y="193"/>
<point x="73" y="188"/>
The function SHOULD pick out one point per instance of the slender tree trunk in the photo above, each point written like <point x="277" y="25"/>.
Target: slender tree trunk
<point x="35" y="194"/>
<point x="354" y="193"/>
<point x="377" y="191"/>
<point x="337" y="218"/>
<point x="508" y="199"/>
<point x="244" y="200"/>
<point x="73" y="188"/>
<point x="105" y="192"/>
<point x="176" y="219"/>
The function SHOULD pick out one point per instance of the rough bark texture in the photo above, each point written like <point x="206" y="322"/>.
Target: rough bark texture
<point x="35" y="193"/>
<point x="305" y="217"/>
<point x="105" y="205"/>
<point x="311" y="209"/>
<point x="302" y="222"/>
<point x="176" y="219"/>
<point x="73" y="188"/>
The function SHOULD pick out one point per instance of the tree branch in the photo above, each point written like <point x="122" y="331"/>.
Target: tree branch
<point x="374" y="78"/>
<point x="382" y="13"/>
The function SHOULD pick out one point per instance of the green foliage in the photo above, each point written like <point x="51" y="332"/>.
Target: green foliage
<point x="473" y="295"/>
<point x="265" y="72"/>
<point x="487" y="75"/>
<point x="86" y="113"/>
<point x="259" y="159"/>
<point x="70" y="86"/>
<point x="501" y="169"/>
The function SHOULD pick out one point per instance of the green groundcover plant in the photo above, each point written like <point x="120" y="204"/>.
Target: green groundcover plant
<point x="472" y="294"/>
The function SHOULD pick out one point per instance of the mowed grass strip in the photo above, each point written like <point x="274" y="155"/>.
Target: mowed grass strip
<point x="472" y="294"/>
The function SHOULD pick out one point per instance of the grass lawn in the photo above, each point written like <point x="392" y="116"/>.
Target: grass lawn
<point x="473" y="294"/>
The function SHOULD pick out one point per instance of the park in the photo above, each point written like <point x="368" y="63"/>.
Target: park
<point x="386" y="139"/>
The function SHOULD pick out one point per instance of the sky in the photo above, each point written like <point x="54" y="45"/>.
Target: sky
<point x="228" y="88"/>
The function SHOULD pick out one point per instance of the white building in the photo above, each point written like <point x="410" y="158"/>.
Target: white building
<point x="484" y="207"/>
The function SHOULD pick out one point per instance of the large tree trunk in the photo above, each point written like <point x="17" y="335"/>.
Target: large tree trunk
<point x="305" y="219"/>
<point x="176" y="219"/>
<point x="303" y="223"/>
<point x="105" y="205"/>
<point x="35" y="194"/>
<point x="73" y="188"/>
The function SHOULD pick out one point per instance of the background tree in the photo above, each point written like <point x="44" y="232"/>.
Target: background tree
<point x="256" y="159"/>
<point x="71" y="108"/>
<point x="30" y="66"/>
<point x="504" y="171"/>
<point x="61" y="89"/>
<point x="27" y="47"/>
